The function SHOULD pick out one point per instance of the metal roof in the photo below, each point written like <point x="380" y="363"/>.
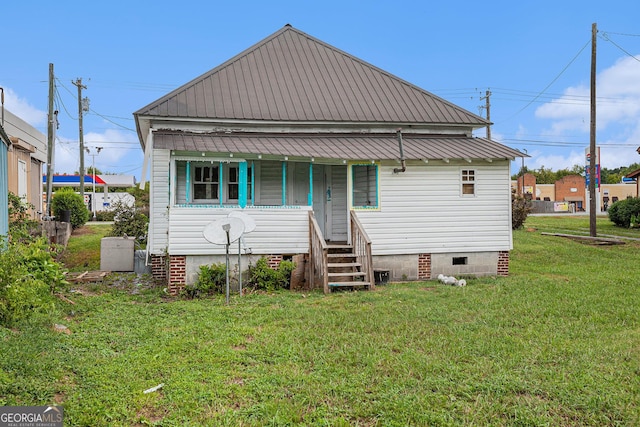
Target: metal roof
<point x="291" y="76"/>
<point x="336" y="146"/>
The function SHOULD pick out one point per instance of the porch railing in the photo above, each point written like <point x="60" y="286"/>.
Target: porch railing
<point x="362" y="248"/>
<point x="318" y="255"/>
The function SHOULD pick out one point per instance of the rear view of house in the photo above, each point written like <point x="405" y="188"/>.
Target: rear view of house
<point x="323" y="150"/>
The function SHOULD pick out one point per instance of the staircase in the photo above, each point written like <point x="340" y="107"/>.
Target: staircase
<point x="343" y="268"/>
<point x="334" y="266"/>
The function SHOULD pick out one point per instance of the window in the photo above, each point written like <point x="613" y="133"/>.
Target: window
<point x="468" y="182"/>
<point x="364" y="178"/>
<point x="233" y="183"/>
<point x="205" y="182"/>
<point x="213" y="182"/>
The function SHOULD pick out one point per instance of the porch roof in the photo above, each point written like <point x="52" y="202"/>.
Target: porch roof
<point x="337" y="146"/>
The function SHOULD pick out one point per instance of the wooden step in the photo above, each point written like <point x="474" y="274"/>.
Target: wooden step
<point x="344" y="264"/>
<point x="349" y="274"/>
<point x="346" y="284"/>
<point x="342" y="255"/>
<point x="339" y="247"/>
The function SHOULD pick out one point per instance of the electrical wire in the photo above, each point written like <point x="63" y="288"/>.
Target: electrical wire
<point x="605" y="36"/>
<point x="549" y="85"/>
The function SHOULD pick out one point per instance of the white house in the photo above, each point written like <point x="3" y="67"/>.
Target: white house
<point x="320" y="148"/>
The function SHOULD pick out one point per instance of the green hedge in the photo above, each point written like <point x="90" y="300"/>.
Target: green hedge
<point x="622" y="211"/>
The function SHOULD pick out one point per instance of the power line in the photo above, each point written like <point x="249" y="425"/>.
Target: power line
<point x="111" y="121"/>
<point x="549" y="85"/>
<point x="605" y="36"/>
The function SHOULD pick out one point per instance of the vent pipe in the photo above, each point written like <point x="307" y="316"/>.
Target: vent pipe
<point x="403" y="163"/>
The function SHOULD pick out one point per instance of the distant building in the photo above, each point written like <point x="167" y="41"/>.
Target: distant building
<point x="25" y="160"/>
<point x="102" y="200"/>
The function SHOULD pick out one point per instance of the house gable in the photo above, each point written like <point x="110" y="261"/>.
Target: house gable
<point x="293" y="77"/>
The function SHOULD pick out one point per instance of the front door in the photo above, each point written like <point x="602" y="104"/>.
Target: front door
<point x="329" y="199"/>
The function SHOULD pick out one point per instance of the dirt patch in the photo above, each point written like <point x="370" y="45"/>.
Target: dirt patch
<point x="81" y="231"/>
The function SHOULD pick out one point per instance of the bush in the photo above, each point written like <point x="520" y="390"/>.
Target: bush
<point x="520" y="209"/>
<point x="28" y="278"/>
<point x="68" y="200"/>
<point x="212" y="279"/>
<point x="128" y="221"/>
<point x="105" y="216"/>
<point x="622" y="211"/>
<point x="262" y="277"/>
<point x="22" y="228"/>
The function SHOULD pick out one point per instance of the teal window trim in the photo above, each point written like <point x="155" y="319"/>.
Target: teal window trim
<point x="284" y="183"/>
<point x="242" y="184"/>
<point x="369" y="205"/>
<point x="253" y="184"/>
<point x="220" y="181"/>
<point x="310" y="195"/>
<point x="188" y="183"/>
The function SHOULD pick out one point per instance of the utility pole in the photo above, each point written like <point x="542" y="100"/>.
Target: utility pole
<point x="52" y="125"/>
<point x="93" y="166"/>
<point x="592" y="137"/>
<point x="80" y="86"/>
<point x="488" y="108"/>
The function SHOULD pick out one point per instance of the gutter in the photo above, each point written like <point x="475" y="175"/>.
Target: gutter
<point x="403" y="162"/>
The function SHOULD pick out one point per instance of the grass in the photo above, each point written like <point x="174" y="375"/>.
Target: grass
<point x="83" y="250"/>
<point x="555" y="343"/>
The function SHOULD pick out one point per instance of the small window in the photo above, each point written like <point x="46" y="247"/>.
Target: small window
<point x="365" y="185"/>
<point x="205" y="182"/>
<point x="233" y="183"/>
<point x="468" y="182"/>
<point x="459" y="260"/>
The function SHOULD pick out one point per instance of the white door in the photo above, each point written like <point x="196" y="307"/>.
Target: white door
<point x="22" y="180"/>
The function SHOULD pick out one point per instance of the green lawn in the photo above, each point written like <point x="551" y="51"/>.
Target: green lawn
<point x="557" y="343"/>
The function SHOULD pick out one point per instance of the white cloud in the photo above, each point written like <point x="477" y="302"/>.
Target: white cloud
<point x="618" y="101"/>
<point x="21" y="108"/>
<point x="617" y="114"/>
<point x="114" y="157"/>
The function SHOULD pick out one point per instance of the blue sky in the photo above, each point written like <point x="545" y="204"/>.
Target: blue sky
<point x="533" y="56"/>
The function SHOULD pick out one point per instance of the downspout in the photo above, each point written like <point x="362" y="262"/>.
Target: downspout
<point x="403" y="163"/>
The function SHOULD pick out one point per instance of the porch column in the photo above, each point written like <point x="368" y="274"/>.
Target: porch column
<point x="188" y="183"/>
<point x="310" y="195"/>
<point x="242" y="184"/>
<point x="284" y="183"/>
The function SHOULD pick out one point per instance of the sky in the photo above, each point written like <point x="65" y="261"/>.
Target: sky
<point x="534" y="58"/>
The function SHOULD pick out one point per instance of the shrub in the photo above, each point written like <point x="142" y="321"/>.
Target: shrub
<point x="68" y="200"/>
<point x="128" y="221"/>
<point x="105" y="216"/>
<point x="262" y="277"/>
<point x="622" y="211"/>
<point x="212" y="279"/>
<point x="22" y="228"/>
<point x="28" y="278"/>
<point x="520" y="209"/>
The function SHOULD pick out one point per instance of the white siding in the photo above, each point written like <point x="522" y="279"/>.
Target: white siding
<point x="159" y="200"/>
<point x="278" y="230"/>
<point x="422" y="210"/>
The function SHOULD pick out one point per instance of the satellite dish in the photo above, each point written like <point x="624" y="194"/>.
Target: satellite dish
<point x="249" y="223"/>
<point x="223" y="231"/>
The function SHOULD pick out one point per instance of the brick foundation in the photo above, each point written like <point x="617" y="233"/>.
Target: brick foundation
<point x="503" y="263"/>
<point x="274" y="261"/>
<point x="158" y="268"/>
<point x="177" y="274"/>
<point x="424" y="266"/>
